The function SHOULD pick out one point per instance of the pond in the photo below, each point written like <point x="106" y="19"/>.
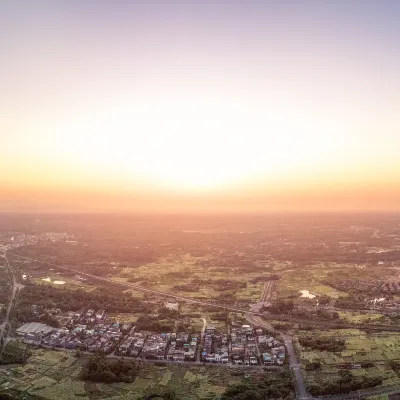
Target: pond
<point x="54" y="282"/>
<point x="306" y="293"/>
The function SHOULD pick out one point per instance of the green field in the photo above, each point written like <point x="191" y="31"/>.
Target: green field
<point x="309" y="278"/>
<point x="361" y="318"/>
<point x="379" y="349"/>
<point x="55" y="375"/>
<point x="186" y="270"/>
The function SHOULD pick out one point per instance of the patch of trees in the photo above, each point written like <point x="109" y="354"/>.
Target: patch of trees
<point x="367" y="364"/>
<point x="284" y="327"/>
<point x="395" y="365"/>
<point x="13" y="394"/>
<point x="98" y="250"/>
<point x="166" y="312"/>
<point x="14" y="354"/>
<point x="47" y="297"/>
<point x="168" y="395"/>
<point x="321" y="344"/>
<point x="98" y="368"/>
<point x="345" y="384"/>
<point x="147" y="323"/>
<point x="313" y="366"/>
<point x="49" y="320"/>
<point x="278" y="386"/>
<point x="352" y="301"/>
<point x="281" y="307"/>
<point x="263" y="278"/>
<point x="226" y="284"/>
<point x="227" y="296"/>
<point x="190" y="287"/>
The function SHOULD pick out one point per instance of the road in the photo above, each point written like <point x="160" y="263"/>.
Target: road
<point x="294" y="365"/>
<point x="256" y="320"/>
<point x="200" y="346"/>
<point x="142" y="289"/>
<point x="267" y="291"/>
<point x="14" y="289"/>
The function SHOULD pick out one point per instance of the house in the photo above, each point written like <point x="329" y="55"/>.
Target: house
<point x="247" y="329"/>
<point x="267" y="359"/>
<point x="262" y="339"/>
<point x="79" y="314"/>
<point x="210" y="330"/>
<point x="90" y="312"/>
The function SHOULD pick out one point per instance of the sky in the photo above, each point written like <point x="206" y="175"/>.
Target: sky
<point x="199" y="106"/>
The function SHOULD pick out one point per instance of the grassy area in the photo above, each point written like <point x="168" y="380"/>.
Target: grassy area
<point x="376" y="351"/>
<point x="124" y="317"/>
<point x="309" y="278"/>
<point x="361" y="318"/>
<point x="70" y="282"/>
<point x="55" y="375"/>
<point x="186" y="275"/>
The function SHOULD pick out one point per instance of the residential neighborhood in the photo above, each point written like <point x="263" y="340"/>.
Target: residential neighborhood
<point x="91" y="330"/>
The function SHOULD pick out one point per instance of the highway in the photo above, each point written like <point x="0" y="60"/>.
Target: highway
<point x="14" y="290"/>
<point x="267" y="291"/>
<point x="142" y="289"/>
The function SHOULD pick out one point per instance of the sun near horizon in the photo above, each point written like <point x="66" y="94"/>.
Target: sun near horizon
<point x="242" y="107"/>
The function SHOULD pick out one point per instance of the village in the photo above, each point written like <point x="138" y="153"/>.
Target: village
<point x="92" y="331"/>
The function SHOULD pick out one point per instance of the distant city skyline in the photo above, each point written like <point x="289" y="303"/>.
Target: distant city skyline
<point x="200" y="107"/>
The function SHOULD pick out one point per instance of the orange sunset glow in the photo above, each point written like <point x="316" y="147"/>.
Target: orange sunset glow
<point x="199" y="108"/>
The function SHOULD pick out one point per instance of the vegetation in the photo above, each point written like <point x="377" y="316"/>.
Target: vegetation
<point x="279" y="386"/>
<point x="14" y="353"/>
<point x="281" y="307"/>
<point x="98" y="368"/>
<point x="48" y="297"/>
<point x="327" y="344"/>
<point x="147" y="323"/>
<point x="345" y="384"/>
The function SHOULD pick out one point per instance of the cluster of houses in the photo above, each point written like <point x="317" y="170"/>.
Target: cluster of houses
<point x="183" y="347"/>
<point x="92" y="331"/>
<point x="273" y="352"/>
<point x="88" y="330"/>
<point x="179" y="346"/>
<point x="243" y="345"/>
<point x="215" y="347"/>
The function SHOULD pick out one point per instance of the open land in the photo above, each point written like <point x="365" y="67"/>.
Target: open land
<point x="315" y="278"/>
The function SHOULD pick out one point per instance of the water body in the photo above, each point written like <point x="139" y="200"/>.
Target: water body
<point x="306" y="293"/>
<point x="54" y="282"/>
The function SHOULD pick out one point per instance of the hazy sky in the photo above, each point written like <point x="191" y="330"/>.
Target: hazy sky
<point x="194" y="106"/>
